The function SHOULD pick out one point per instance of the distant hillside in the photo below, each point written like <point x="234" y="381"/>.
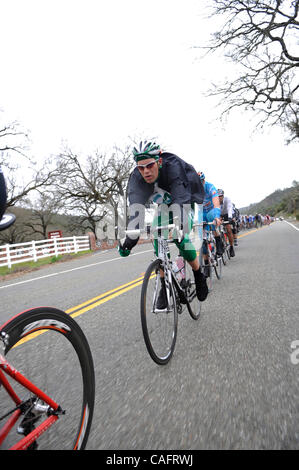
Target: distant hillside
<point x="282" y="201"/>
<point x="58" y="222"/>
<point x="20" y="232"/>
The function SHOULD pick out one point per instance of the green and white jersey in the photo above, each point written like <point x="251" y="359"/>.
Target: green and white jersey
<point x="160" y="196"/>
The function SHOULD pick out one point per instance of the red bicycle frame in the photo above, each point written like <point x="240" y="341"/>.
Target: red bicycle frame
<point x="24" y="443"/>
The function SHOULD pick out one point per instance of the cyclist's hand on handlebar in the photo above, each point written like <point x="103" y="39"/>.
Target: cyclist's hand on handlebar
<point x="217" y="221"/>
<point x="178" y="234"/>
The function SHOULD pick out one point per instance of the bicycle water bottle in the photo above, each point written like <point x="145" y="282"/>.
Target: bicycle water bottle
<point x="179" y="268"/>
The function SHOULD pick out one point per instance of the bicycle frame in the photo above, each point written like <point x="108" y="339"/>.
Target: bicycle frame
<point x="223" y="230"/>
<point x="163" y="251"/>
<point x="209" y="238"/>
<point x="52" y="408"/>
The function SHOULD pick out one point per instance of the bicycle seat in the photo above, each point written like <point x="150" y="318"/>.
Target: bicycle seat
<point x="6" y="221"/>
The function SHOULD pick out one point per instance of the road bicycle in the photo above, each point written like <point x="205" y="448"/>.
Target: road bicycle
<point x="213" y="262"/>
<point x="225" y="242"/>
<point x="47" y="381"/>
<point x="159" y="327"/>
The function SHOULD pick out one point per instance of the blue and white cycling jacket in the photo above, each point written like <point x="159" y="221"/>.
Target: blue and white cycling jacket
<point x="210" y="192"/>
<point x="208" y="206"/>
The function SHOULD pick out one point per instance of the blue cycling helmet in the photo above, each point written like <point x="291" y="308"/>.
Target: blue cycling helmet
<point x="201" y="175"/>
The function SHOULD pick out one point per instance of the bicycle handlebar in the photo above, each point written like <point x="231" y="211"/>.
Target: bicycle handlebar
<point x="138" y="232"/>
<point x="156" y="229"/>
<point x="6" y="221"/>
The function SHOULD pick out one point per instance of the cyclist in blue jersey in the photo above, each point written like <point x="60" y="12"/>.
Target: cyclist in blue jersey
<point x="211" y="210"/>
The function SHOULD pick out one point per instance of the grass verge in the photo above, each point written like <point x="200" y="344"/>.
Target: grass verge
<point x="20" y="268"/>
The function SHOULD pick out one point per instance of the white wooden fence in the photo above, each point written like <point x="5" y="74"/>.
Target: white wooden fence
<point x="32" y="251"/>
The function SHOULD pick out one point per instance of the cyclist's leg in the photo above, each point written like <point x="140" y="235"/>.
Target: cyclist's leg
<point x="234" y="231"/>
<point x="210" y="217"/>
<point x="205" y="256"/>
<point x="230" y="236"/>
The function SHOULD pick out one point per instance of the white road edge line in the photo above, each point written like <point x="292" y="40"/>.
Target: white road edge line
<point x="69" y="270"/>
<point x="296" y="228"/>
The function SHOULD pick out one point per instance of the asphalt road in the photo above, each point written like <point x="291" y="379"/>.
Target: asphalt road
<point x="231" y="383"/>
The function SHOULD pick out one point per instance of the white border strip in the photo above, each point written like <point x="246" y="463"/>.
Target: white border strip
<point x="119" y="258"/>
<point x="296" y="228"/>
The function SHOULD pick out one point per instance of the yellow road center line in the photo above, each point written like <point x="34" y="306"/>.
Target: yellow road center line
<point x="94" y="299"/>
<point x="91" y="303"/>
<point x="105" y="297"/>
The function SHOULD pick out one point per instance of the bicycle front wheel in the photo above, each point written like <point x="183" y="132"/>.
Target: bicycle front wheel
<point x="159" y="326"/>
<point x="50" y="349"/>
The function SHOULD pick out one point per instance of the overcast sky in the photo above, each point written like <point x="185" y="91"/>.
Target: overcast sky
<point x="95" y="72"/>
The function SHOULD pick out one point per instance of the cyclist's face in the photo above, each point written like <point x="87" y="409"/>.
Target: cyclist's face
<point x="149" y="169"/>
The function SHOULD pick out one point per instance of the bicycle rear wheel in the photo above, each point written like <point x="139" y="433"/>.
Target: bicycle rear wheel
<point x="224" y="254"/>
<point x="227" y="246"/>
<point x="159" y="327"/>
<point x="206" y="269"/>
<point x="218" y="267"/>
<point x="49" y="348"/>
<point x="190" y="289"/>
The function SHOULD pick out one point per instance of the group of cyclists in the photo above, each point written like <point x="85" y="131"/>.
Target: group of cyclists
<point x="254" y="221"/>
<point x="165" y="178"/>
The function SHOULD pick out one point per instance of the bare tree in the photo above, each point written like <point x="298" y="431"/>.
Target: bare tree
<point x="261" y="37"/>
<point x="13" y="139"/>
<point x="43" y="212"/>
<point x="92" y="188"/>
<point x="15" y="233"/>
<point x="37" y="180"/>
<point x="15" y="159"/>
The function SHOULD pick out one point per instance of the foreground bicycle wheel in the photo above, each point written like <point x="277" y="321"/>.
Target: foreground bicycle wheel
<point x="159" y="327"/>
<point x="49" y="348"/>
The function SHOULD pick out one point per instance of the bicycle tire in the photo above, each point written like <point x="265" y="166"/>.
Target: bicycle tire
<point x="161" y="325"/>
<point x="193" y="305"/>
<point x="6" y="221"/>
<point x="218" y="268"/>
<point x="224" y="254"/>
<point x="49" y="327"/>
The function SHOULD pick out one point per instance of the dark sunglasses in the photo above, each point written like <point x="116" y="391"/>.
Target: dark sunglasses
<point x="149" y="166"/>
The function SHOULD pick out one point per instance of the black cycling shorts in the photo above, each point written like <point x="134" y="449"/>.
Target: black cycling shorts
<point x="227" y="219"/>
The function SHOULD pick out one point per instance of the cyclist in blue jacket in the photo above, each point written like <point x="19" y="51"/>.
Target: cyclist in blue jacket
<point x="212" y="210"/>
